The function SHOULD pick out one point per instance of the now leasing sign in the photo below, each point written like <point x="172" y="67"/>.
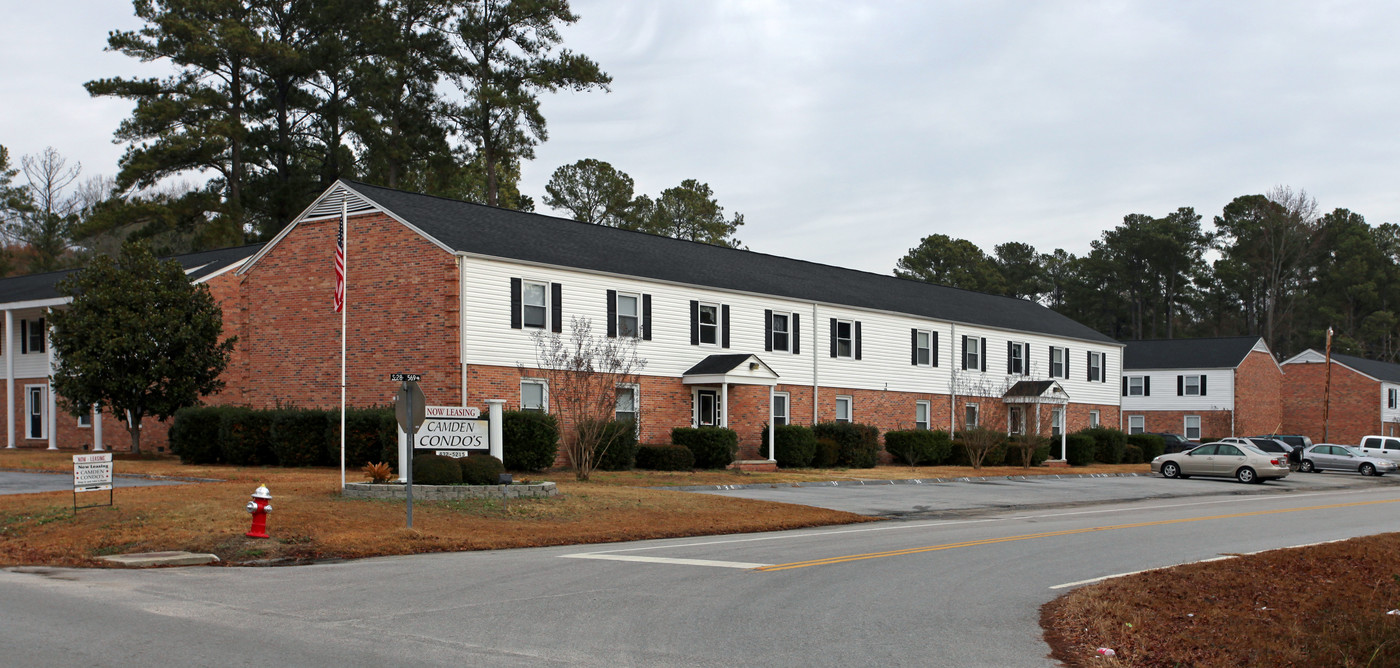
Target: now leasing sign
<point x="459" y="428"/>
<point x="92" y="473"/>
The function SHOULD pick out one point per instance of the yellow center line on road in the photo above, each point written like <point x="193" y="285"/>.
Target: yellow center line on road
<point x="1051" y="534"/>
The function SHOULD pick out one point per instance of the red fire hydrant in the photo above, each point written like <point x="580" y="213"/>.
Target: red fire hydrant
<point x="260" y="506"/>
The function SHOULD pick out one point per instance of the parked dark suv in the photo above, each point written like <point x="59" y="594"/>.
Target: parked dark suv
<point x="1175" y="443"/>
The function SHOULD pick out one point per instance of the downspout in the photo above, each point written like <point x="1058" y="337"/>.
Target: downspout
<point x="953" y="382"/>
<point x="815" y="326"/>
<point x="462" y="323"/>
<point x="9" y="352"/>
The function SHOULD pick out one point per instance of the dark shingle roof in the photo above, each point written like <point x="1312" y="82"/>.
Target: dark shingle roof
<point x="34" y="287"/>
<point x="1217" y="353"/>
<point x="1385" y="371"/>
<point x="716" y="364"/>
<point x="1029" y="388"/>
<point x="474" y="228"/>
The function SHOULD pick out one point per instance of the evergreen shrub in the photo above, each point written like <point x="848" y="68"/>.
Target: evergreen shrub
<point x="299" y="437"/>
<point x="1151" y="446"/>
<point x="429" y="469"/>
<point x="479" y="469"/>
<point x="245" y="436"/>
<point x="917" y="447"/>
<point x="1080" y="449"/>
<point x="1108" y="444"/>
<point x="620" y="453"/>
<point x="826" y="455"/>
<point x="531" y="440"/>
<point x="665" y="458"/>
<point x="797" y="445"/>
<point x="858" y="445"/>
<point x="713" y="447"/>
<point x="194" y="435"/>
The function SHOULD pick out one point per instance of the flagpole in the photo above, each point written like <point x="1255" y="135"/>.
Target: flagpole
<point x="345" y="230"/>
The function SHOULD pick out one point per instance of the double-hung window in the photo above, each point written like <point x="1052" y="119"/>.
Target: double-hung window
<point x="1057" y="362"/>
<point x="709" y="324"/>
<point x="1193" y="427"/>
<point x="843" y="409"/>
<point x="845" y="338"/>
<point x="970" y="416"/>
<point x="1137" y="386"/>
<point x="627" y="404"/>
<point x="534" y="396"/>
<point x="1096" y="367"/>
<point x="1016" y="363"/>
<point x="1136" y="424"/>
<point x="628" y="315"/>
<point x="974" y="353"/>
<point x="921" y="414"/>
<point x="1191" y="385"/>
<point x="534" y="304"/>
<point x="1392" y="398"/>
<point x="923" y="342"/>
<point x="781" y="402"/>
<point x="781" y="332"/>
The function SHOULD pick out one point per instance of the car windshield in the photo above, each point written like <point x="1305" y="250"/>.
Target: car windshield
<point x="1267" y="444"/>
<point x="1255" y="450"/>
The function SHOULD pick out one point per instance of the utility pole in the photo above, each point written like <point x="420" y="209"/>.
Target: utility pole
<point x="1327" y="388"/>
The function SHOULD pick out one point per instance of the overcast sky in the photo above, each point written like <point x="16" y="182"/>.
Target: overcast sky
<point x="846" y="131"/>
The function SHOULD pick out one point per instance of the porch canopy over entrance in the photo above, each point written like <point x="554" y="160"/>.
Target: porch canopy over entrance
<point x="726" y="370"/>
<point x="1039" y="393"/>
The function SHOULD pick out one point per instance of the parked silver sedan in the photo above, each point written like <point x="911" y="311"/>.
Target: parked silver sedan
<point x="1329" y="457"/>
<point x="1244" y="463"/>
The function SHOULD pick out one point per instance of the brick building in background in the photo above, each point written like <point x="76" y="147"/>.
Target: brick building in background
<point x="1364" y="397"/>
<point x="1201" y="388"/>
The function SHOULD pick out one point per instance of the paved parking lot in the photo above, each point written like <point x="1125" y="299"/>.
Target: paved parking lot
<point x="14" y="482"/>
<point x="962" y="498"/>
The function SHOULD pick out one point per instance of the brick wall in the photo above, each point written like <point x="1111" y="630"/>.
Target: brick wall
<point x="1355" y="406"/>
<point x="1258" y="396"/>
<point x="1214" y="424"/>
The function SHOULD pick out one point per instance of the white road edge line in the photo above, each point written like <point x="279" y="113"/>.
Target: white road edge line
<point x="1202" y="561"/>
<point x="664" y="560"/>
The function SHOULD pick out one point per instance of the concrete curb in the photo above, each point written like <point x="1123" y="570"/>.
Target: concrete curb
<point x="908" y="481"/>
<point x="144" y="559"/>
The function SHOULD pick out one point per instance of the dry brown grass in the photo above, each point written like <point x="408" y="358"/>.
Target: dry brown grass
<point x="310" y="519"/>
<point x="1323" y="605"/>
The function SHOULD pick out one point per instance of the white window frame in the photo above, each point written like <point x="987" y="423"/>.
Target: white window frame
<point x="786" y="332"/>
<point x="1013" y="415"/>
<point x="1096" y="365"/>
<point x="1141" y="425"/>
<point x="973" y="411"/>
<point x="1057" y="421"/>
<point x="849" y="340"/>
<point x="716" y="409"/>
<point x="923" y="414"/>
<point x="972" y="355"/>
<point x="1018" y="359"/>
<point x="635" y="316"/>
<point x="1186" y="389"/>
<point x="923" y="347"/>
<point x="1140" y="384"/>
<point x="43" y="408"/>
<point x="783" y="417"/>
<point x="85" y="420"/>
<point x="544" y="394"/>
<point x="636" y="393"/>
<point x="1094" y="419"/>
<point x="1392" y="397"/>
<point x="848" y="403"/>
<point x="525" y="306"/>
<point x="1186" y="427"/>
<point x="1057" y="362"/>
<point x="714" y="328"/>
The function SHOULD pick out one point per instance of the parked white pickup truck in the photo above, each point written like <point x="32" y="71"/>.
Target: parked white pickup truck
<point x="1387" y="447"/>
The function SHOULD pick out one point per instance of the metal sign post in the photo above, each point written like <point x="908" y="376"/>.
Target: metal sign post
<point x="410" y="408"/>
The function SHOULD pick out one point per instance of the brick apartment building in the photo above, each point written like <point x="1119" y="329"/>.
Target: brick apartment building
<point x="1364" y="398"/>
<point x="1209" y="388"/>
<point x="455" y="291"/>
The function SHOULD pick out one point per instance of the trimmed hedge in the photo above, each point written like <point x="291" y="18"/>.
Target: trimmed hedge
<point x="1080" y="449"/>
<point x="1132" y="454"/>
<point x="436" y="470"/>
<point x="665" y="458"/>
<point x="797" y="445"/>
<point x="827" y="453"/>
<point x="194" y="435"/>
<point x="364" y="437"/>
<point x="918" y="446"/>
<point x="621" y="451"/>
<point x="480" y="470"/>
<point x="1014" y="452"/>
<point x="858" y="445"/>
<point x="1108" y="444"/>
<point x="1151" y="446"/>
<point x="245" y="436"/>
<point x="713" y="447"/>
<point x="531" y="440"/>
<point x="299" y="437"/>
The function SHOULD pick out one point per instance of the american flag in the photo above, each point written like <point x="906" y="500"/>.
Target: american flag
<point x="340" y="265"/>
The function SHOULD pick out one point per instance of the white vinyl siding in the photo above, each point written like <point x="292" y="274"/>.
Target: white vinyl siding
<point x="1219" y="395"/>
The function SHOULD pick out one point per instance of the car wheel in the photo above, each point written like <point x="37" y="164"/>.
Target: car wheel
<point x="1246" y="475"/>
<point x="1368" y="469"/>
<point x="1307" y="466"/>
<point x="1171" y="470"/>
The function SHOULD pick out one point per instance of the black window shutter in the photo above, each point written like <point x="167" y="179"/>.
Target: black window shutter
<point x="556" y="306"/>
<point x="694" y="323"/>
<point x="1203" y="385"/>
<point x="833" y="337"/>
<point x="1050" y="363"/>
<point x="1089" y="366"/>
<point x="933" y="347"/>
<point x="857" y="339"/>
<point x="1026" y="370"/>
<point x="612" y="314"/>
<point x="23" y="336"/>
<point x="1066" y="354"/>
<point x="515" y="304"/>
<point x="1125" y="386"/>
<point x="646" y="317"/>
<point x="984" y="354"/>
<point x="767" y="329"/>
<point x="724" y="333"/>
<point x="1147" y="386"/>
<point x="1009" y="349"/>
<point x="964" y="353"/>
<point x="1180" y="386"/>
<point x="796" y="336"/>
<point x="914" y="347"/>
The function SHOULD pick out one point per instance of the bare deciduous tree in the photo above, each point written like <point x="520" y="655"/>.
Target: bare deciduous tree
<point x="583" y="374"/>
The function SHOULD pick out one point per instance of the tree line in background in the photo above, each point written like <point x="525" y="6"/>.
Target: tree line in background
<point x="1271" y="265"/>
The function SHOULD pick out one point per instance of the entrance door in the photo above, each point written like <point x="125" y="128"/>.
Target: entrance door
<point x="707" y="408"/>
<point x="34" y="411"/>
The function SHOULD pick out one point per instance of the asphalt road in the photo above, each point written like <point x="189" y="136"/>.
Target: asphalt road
<point x="13" y="482"/>
<point x="962" y="591"/>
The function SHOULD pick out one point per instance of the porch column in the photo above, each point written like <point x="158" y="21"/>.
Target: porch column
<point x="52" y="402"/>
<point x="9" y="351"/>
<point x="724" y="405"/>
<point x="96" y="429"/>
<point x="772" y="443"/>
